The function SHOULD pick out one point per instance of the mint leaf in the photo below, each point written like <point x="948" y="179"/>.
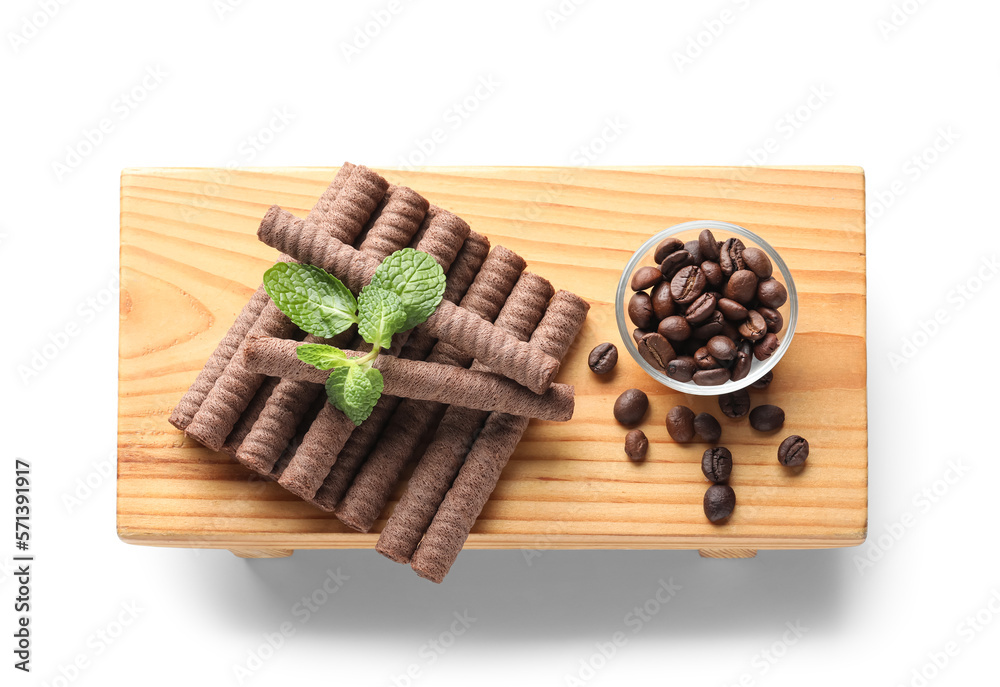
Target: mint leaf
<point x="417" y="279"/>
<point x="322" y="356"/>
<point x="381" y="315"/>
<point x="314" y="300"/>
<point x="354" y="389"/>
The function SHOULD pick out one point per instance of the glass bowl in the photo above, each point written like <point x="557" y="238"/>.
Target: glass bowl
<point x="686" y="232"/>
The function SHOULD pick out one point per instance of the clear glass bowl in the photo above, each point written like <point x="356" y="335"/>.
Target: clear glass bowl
<point x="686" y="232"/>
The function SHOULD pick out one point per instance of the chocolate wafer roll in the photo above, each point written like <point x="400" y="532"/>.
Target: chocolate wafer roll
<point x="396" y="224"/>
<point x="372" y="487"/>
<point x="443" y="457"/>
<point x="492" y="449"/>
<point x="249" y="417"/>
<point x="346" y="206"/>
<point x="324" y="204"/>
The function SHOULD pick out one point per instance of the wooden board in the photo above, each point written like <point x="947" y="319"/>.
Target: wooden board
<point x="190" y="260"/>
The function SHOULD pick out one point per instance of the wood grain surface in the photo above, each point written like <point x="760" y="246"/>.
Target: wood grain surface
<point x="190" y="260"/>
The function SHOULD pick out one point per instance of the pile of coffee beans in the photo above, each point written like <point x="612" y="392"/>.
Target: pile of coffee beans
<point x="707" y="309"/>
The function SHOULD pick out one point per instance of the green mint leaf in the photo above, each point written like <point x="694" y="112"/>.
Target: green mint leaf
<point x="314" y="300"/>
<point x="381" y="315"/>
<point x="354" y="389"/>
<point x="322" y="356"/>
<point x="417" y="279"/>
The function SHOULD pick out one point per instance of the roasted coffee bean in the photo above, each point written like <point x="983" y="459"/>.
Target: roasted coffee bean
<point x="773" y="319"/>
<point x="731" y="310"/>
<point x="645" y="277"/>
<point x="764" y="381"/>
<point x="707" y="428"/>
<point x="765" y="348"/>
<point x="771" y="293"/>
<point x="681" y="368"/>
<point x="720" y="501"/>
<point x="603" y="358"/>
<point x="640" y="311"/>
<point x="793" y="451"/>
<point x="717" y="464"/>
<point x="730" y="330"/>
<point x="731" y="256"/>
<point x="666" y="247"/>
<point x="656" y="350"/>
<point x="636" y="445"/>
<point x="631" y="406"/>
<point x="663" y="304"/>
<point x="741" y="287"/>
<point x="702" y="308"/>
<point x="722" y="348"/>
<point x="754" y="327"/>
<point x="743" y="361"/>
<point x="719" y="375"/>
<point x="767" y="418"/>
<point x="687" y="285"/>
<point x="637" y="334"/>
<point x="709" y="246"/>
<point x="711" y="327"/>
<point x="675" y="328"/>
<point x="704" y="359"/>
<point x="694" y="248"/>
<point x="691" y="346"/>
<point x="680" y="424"/>
<point x="674" y="262"/>
<point x="757" y="261"/>
<point x="736" y="404"/>
<point x="713" y="273"/>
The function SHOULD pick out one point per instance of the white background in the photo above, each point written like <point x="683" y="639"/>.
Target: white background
<point x="894" y="91"/>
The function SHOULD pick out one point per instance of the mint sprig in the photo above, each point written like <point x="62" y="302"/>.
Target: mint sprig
<point x="406" y="289"/>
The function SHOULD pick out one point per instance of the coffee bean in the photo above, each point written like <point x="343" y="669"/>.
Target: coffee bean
<point x="771" y="293"/>
<point x="765" y="348"/>
<point x="603" y="358"/>
<point x="704" y="359"/>
<point x="757" y="261"/>
<point x="707" y="428"/>
<point x="640" y="311"/>
<point x="743" y="362"/>
<point x="767" y="418"/>
<point x="713" y="326"/>
<point x="719" y="375"/>
<point x="731" y="256"/>
<point x="645" y="277"/>
<point x="681" y="368"/>
<point x="754" y="327"/>
<point x="680" y="424"/>
<point x="702" y="308"/>
<point x="656" y="350"/>
<point x="741" y="287"/>
<point x="663" y="304"/>
<point x="764" y="381"/>
<point x="694" y="249"/>
<point x="773" y="319"/>
<point x="636" y="445"/>
<point x="637" y="334"/>
<point x="674" y="262"/>
<point x="717" y="464"/>
<point x="709" y="246"/>
<point x="793" y="451"/>
<point x="675" y="328"/>
<point x="687" y="285"/>
<point x="720" y="501"/>
<point x="731" y="310"/>
<point x="631" y="406"/>
<point x="722" y="348"/>
<point x="735" y="404"/>
<point x="713" y="273"/>
<point x="730" y="331"/>
<point x="666" y="247"/>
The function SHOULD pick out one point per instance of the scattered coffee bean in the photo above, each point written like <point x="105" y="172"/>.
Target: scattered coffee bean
<point x="702" y="308"/>
<point x="722" y="348"/>
<point x="603" y="358"/>
<point x="704" y="359"/>
<point x="773" y="319"/>
<point x="640" y="311"/>
<point x="741" y="287"/>
<point x="753" y="327"/>
<point x="731" y="256"/>
<point x="636" y="445"/>
<point x="687" y="285"/>
<point x="757" y="261"/>
<point x="713" y="273"/>
<point x="707" y="428"/>
<point x="764" y="381"/>
<point x="681" y="368"/>
<point x="717" y="464"/>
<point x="694" y="249"/>
<point x="771" y="293"/>
<point x="631" y="406"/>
<point x="666" y="247"/>
<point x="712" y="327"/>
<point x="731" y="310"/>
<point x="793" y="451"/>
<point x="743" y="362"/>
<point x="680" y="424"/>
<point x="767" y="418"/>
<point x="675" y="328"/>
<point x="720" y="501"/>
<point x="763" y="349"/>
<point x="656" y="350"/>
<point x="645" y="277"/>
<point x="708" y="245"/>
<point x="736" y="404"/>
<point x="663" y="304"/>
<point x="674" y="262"/>
<point x="719" y="375"/>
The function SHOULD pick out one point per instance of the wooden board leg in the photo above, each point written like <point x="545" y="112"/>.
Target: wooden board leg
<point x="262" y="553"/>
<point x="727" y="553"/>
